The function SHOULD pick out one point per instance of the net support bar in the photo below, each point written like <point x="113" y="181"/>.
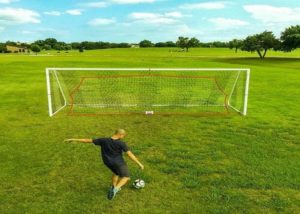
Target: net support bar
<point x="246" y="92"/>
<point x="49" y="93"/>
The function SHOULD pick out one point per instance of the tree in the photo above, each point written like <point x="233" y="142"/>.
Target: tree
<point x="11" y="43"/>
<point x="186" y="43"/>
<point x="35" y="48"/>
<point x="58" y="47"/>
<point x="39" y="43"/>
<point x="260" y="43"/>
<point x="47" y="47"/>
<point x="146" y="44"/>
<point x="182" y="42"/>
<point x="170" y="44"/>
<point x="76" y="45"/>
<point x="3" y="48"/>
<point x="123" y="45"/>
<point x="50" y="41"/>
<point x="193" y="42"/>
<point x="160" y="44"/>
<point x="290" y="38"/>
<point x="235" y="44"/>
<point x="67" y="47"/>
<point x="218" y="44"/>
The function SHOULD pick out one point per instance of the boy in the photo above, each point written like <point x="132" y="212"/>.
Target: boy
<point x="112" y="155"/>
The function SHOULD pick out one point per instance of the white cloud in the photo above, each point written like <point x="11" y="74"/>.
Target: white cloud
<point x="27" y="32"/>
<point x="11" y="16"/>
<point x="6" y="1"/>
<point x="174" y="14"/>
<point x="103" y="4"/>
<point x="204" y="6"/>
<point x="185" y="30"/>
<point x="101" y="21"/>
<point x="132" y="1"/>
<point x="152" y="18"/>
<point x="271" y="15"/>
<point x="225" y="23"/>
<point x="99" y="4"/>
<point x="74" y="12"/>
<point x="53" y="13"/>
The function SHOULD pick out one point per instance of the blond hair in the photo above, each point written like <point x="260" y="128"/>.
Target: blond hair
<point x="120" y="132"/>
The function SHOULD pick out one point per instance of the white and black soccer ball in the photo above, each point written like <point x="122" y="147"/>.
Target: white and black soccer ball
<point x="139" y="184"/>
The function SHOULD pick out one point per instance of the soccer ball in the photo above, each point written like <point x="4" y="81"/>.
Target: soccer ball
<point x="139" y="184"/>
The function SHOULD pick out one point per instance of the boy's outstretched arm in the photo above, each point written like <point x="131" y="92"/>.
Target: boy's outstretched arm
<point x="79" y="140"/>
<point x="132" y="157"/>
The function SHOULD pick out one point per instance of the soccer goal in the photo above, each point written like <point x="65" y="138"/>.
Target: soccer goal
<point x="197" y="91"/>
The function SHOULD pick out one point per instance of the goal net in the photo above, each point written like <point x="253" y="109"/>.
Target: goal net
<point x="93" y="91"/>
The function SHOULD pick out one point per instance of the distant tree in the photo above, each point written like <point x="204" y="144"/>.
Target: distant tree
<point x="219" y="44"/>
<point x="3" y="48"/>
<point x="11" y="43"/>
<point x="170" y="44"/>
<point x="50" y="41"/>
<point x="47" y="47"/>
<point x="35" y="48"/>
<point x="57" y="47"/>
<point x="67" y="47"/>
<point x="204" y="45"/>
<point x="89" y="45"/>
<point x="193" y="42"/>
<point x="186" y="43"/>
<point x="75" y="45"/>
<point x="260" y="43"/>
<point x="165" y="44"/>
<point x="25" y="45"/>
<point x="123" y="45"/>
<point x="160" y="44"/>
<point x="182" y="42"/>
<point x="81" y="49"/>
<point x="39" y="43"/>
<point x="146" y="44"/>
<point x="290" y="38"/>
<point x="235" y="44"/>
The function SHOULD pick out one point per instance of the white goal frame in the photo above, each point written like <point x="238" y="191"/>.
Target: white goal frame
<point x="246" y="92"/>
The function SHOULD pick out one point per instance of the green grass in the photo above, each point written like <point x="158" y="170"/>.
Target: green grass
<point x="229" y="164"/>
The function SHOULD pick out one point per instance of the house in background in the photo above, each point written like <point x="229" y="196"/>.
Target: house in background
<point x="16" y="49"/>
<point x="135" y="46"/>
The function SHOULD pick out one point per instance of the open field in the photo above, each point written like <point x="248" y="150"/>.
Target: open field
<point x="223" y="164"/>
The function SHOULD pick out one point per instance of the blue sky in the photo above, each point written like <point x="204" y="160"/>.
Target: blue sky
<point x="135" y="20"/>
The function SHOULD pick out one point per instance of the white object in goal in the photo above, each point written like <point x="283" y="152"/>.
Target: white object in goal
<point x="93" y="91"/>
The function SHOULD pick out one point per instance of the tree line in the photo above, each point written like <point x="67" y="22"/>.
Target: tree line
<point x="260" y="43"/>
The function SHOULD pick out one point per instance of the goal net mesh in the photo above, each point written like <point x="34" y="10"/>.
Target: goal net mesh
<point x="92" y="92"/>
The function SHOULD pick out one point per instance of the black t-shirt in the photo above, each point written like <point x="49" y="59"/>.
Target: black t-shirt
<point x="111" y="150"/>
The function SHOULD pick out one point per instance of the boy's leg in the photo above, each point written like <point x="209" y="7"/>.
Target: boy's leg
<point x="113" y="191"/>
<point x="115" y="179"/>
<point x="122" y="181"/>
<point x="124" y="176"/>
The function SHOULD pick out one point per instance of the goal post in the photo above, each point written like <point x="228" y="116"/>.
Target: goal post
<point x="94" y="91"/>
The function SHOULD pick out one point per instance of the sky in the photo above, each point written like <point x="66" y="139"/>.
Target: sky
<point x="135" y="20"/>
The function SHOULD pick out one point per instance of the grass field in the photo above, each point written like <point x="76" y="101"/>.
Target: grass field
<point x="228" y="164"/>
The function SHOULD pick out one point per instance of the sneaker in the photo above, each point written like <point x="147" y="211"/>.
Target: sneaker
<point x="117" y="190"/>
<point x="110" y="194"/>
